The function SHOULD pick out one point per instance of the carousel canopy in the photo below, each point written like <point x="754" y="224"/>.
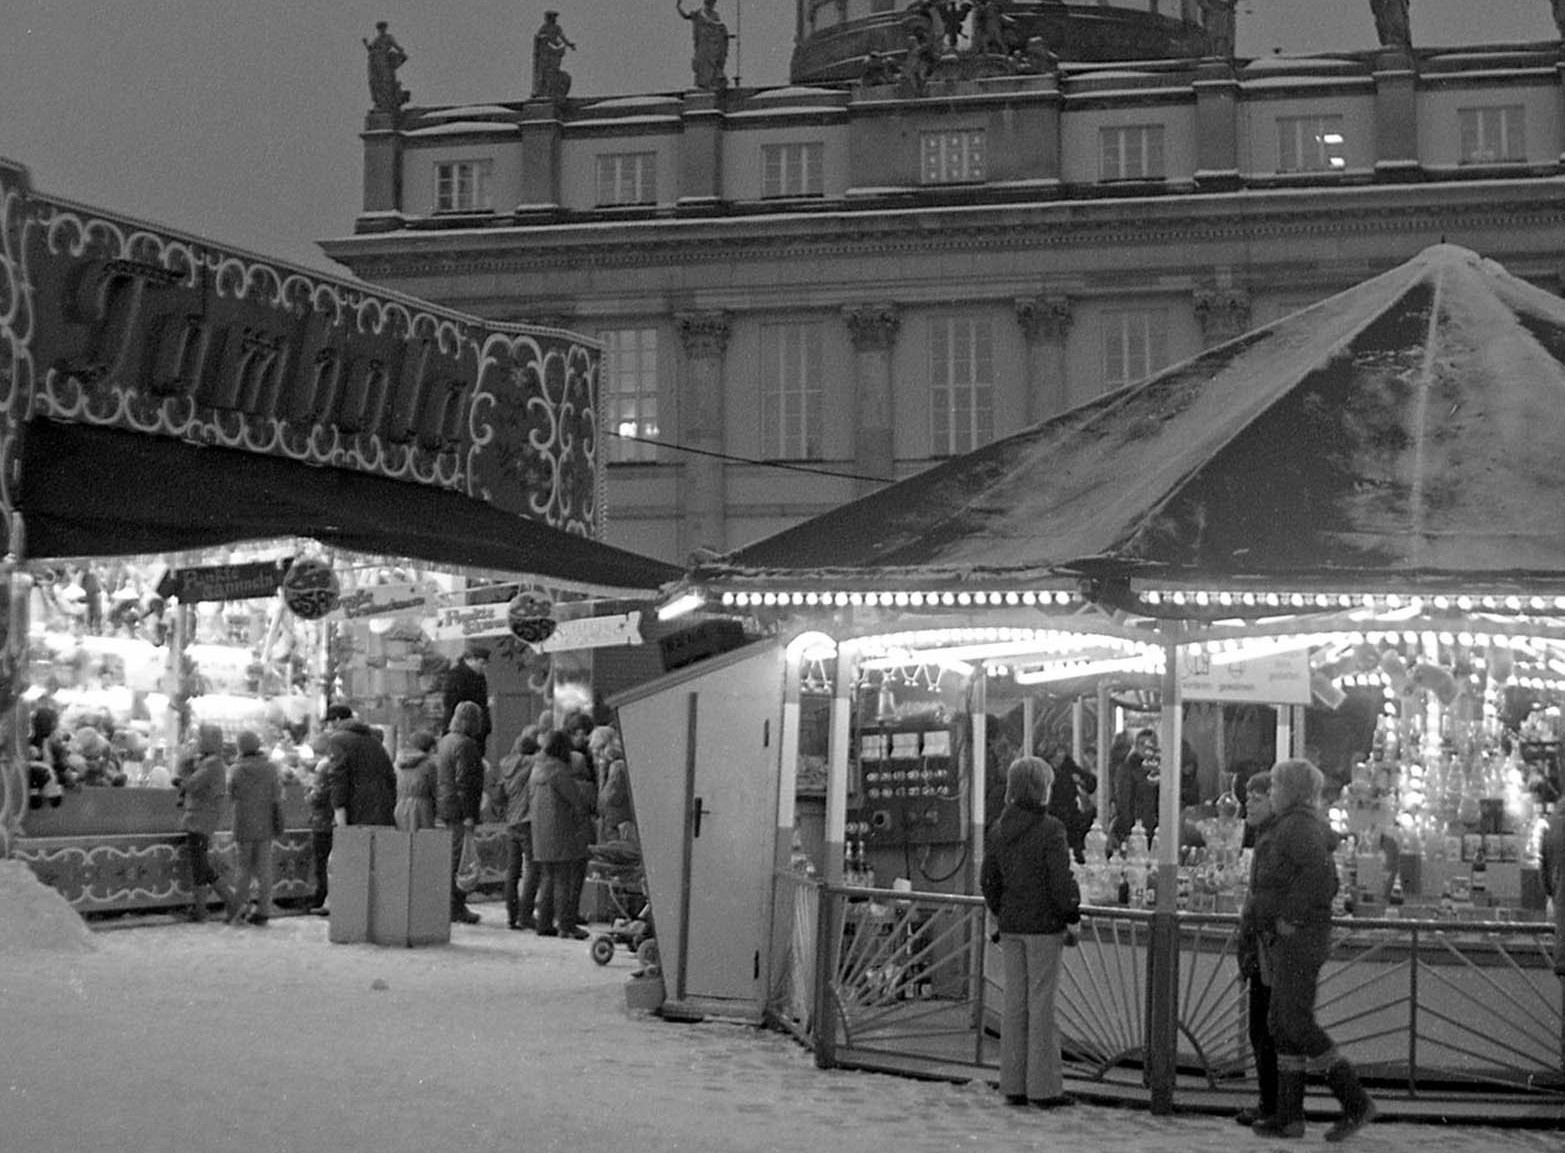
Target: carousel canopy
<point x="1406" y="433"/>
<point x="89" y="491"/>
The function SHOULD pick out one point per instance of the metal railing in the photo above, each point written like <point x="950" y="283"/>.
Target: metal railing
<point x="907" y="982"/>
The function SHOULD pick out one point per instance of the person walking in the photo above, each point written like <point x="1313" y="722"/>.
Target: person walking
<point x="1292" y="888"/>
<point x="459" y="791"/>
<point x="256" y="789"/>
<point x="1027" y="884"/>
<point x="561" y="817"/>
<point x="202" y="789"/>
<point x="416" y="772"/>
<point x="360" y="776"/>
<point x="1255" y="963"/>
<point x="508" y="794"/>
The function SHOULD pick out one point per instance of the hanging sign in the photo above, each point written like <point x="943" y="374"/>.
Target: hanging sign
<point x="1274" y="679"/>
<point x="594" y="633"/>
<point x="384" y="600"/>
<point x="461" y="622"/>
<point x="229" y="582"/>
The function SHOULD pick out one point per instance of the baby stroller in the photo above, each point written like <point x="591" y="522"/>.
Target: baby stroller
<point x="615" y="867"/>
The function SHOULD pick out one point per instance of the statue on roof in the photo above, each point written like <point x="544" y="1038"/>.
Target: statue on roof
<point x="1391" y="23"/>
<point x="1218" y="21"/>
<point x="992" y="28"/>
<point x="385" y="57"/>
<point x="710" y="37"/>
<point x="1559" y="23"/>
<point x="550" y="44"/>
<point x="952" y="16"/>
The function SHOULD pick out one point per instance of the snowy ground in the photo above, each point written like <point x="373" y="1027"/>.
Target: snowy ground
<point x="203" y="1038"/>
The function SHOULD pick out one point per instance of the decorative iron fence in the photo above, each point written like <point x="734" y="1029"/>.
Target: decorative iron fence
<point x="908" y="982"/>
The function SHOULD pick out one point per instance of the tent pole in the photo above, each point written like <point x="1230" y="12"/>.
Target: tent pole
<point x="839" y="763"/>
<point x="1163" y="952"/>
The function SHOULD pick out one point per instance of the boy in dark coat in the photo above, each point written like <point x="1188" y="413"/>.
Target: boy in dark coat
<point x="257" y="792"/>
<point x="359" y="772"/>
<point x="459" y="792"/>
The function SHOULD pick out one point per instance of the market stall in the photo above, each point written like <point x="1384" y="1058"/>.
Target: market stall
<point x="1359" y="500"/>
<point x="234" y="490"/>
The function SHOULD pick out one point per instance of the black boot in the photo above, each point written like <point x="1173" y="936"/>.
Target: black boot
<point x="1288" y="1120"/>
<point x="1358" y="1109"/>
<point x="199" y="895"/>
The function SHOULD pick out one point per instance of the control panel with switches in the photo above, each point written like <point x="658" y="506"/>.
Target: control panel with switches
<point x="909" y="786"/>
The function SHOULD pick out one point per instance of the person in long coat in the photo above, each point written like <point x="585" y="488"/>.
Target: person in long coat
<point x="1027" y="884"/>
<point x="416" y="774"/>
<point x="203" y="790"/>
<point x="256" y="788"/>
<point x="1291" y="891"/>
<point x="509" y="794"/>
<point x="459" y="791"/>
<point x="360" y="778"/>
<point x="562" y="816"/>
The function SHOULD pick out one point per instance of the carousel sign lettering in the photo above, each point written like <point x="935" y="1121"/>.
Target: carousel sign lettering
<point x="229" y="582"/>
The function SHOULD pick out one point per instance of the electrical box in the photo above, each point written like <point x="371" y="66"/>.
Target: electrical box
<point x="910" y="788"/>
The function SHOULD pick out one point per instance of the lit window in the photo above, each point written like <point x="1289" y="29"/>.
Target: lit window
<point x="1131" y="152"/>
<point x="1310" y="144"/>
<point x="1492" y="135"/>
<point x="952" y="157"/>
<point x="961" y="376"/>
<point x="791" y="391"/>
<point x="463" y="186"/>
<point x="791" y="169"/>
<point x="628" y="178"/>
<point x="628" y="393"/>
<point x="1135" y="344"/>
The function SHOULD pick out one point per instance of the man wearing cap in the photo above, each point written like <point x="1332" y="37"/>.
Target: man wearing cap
<point x="465" y="681"/>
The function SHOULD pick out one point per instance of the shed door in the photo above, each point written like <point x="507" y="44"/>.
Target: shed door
<point x="730" y="823"/>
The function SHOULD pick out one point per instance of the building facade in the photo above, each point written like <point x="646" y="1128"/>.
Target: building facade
<point x="810" y="290"/>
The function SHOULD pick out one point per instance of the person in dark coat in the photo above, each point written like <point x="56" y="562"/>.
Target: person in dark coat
<point x="466" y="681"/>
<point x="508" y="794"/>
<point x="1551" y="866"/>
<point x="1027" y="884"/>
<point x="1136" y="786"/>
<point x="361" y="779"/>
<point x="1072" y="784"/>
<point x="322" y="820"/>
<point x="1254" y="962"/>
<point x="202" y="788"/>
<point x="415" y="767"/>
<point x="1291" y="891"/>
<point x="256" y="789"/>
<point x="562" y="822"/>
<point x="459" y="791"/>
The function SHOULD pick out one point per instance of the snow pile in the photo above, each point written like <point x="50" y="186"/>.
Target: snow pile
<point x="35" y="918"/>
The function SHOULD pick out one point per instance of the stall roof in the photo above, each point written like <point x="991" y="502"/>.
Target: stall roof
<point x="88" y="491"/>
<point x="1405" y="433"/>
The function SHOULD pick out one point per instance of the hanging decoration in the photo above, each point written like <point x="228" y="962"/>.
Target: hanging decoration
<point x="530" y="618"/>
<point x="310" y="588"/>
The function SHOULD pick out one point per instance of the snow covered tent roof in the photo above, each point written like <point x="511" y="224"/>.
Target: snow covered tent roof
<point x="1409" y="432"/>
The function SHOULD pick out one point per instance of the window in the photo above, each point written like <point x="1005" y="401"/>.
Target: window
<point x="463" y="186"/>
<point x="1310" y="144"/>
<point x="1492" y="135"/>
<point x="628" y="393"/>
<point x="1131" y="152"/>
<point x="628" y="178"/>
<point x="791" y="169"/>
<point x="952" y="157"/>
<point x="1135" y="344"/>
<point x="791" y="391"/>
<point x="961" y="375"/>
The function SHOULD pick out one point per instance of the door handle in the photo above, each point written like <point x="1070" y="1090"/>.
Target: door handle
<point x="697" y="809"/>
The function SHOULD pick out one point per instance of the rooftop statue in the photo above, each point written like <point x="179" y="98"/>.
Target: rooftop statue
<point x="550" y="44"/>
<point x="385" y="57"/>
<point x="1559" y="16"/>
<point x="710" y="37"/>
<point x="1217" y="18"/>
<point x="992" y="28"/>
<point x="1391" y="23"/>
<point x="952" y="17"/>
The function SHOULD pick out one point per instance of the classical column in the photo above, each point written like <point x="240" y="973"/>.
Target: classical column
<point x="703" y="493"/>
<point x="873" y="328"/>
<point x="1046" y="322"/>
<point x="1224" y="313"/>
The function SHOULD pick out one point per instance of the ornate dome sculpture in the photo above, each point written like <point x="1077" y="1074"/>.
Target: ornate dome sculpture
<point x="836" y="37"/>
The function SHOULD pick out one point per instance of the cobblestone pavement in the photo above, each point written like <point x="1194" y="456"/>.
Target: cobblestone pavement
<point x="204" y="1039"/>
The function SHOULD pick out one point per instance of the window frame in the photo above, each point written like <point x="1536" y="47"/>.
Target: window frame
<point x="792" y="390"/>
<point x="1513" y="137"/>
<point x="458" y="195"/>
<point x="946" y="415"/>
<point x="1118" y="338"/>
<point x="799" y="169"/>
<point x="968" y="159"/>
<point x="640" y="180"/>
<point x="1292" y="136"/>
<point x="1121" y="134"/>
<point x="630" y="353"/>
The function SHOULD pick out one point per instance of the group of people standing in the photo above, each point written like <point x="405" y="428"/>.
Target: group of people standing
<point x="1285" y="929"/>
<point x="207" y="784"/>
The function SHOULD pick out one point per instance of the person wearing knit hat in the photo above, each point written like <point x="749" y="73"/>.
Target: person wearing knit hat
<point x="256" y="789"/>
